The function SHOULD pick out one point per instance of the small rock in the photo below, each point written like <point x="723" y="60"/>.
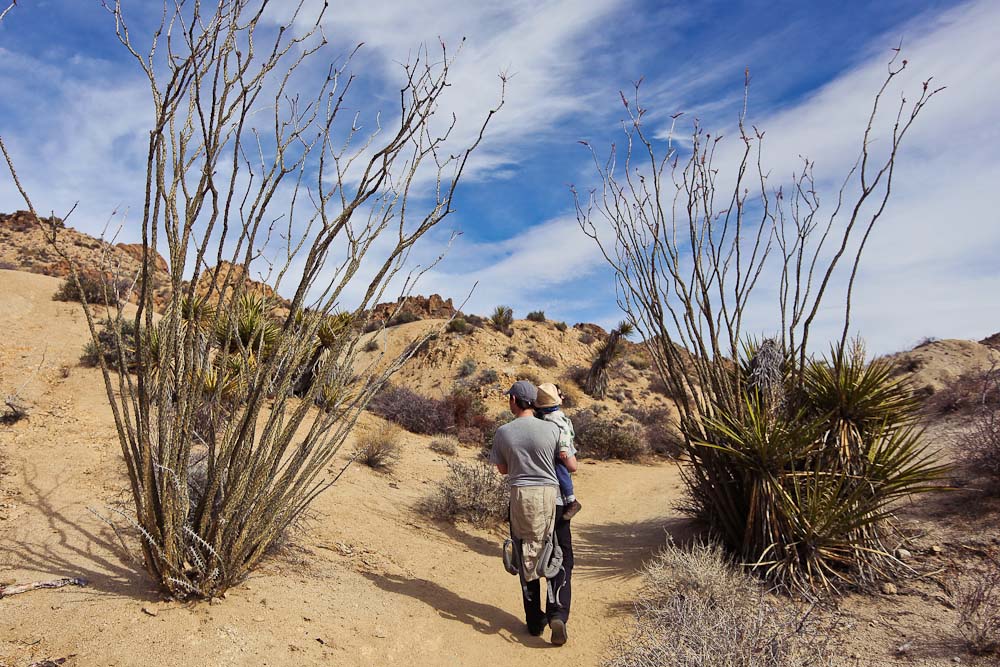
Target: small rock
<point x="150" y="611"/>
<point x="903" y="554"/>
<point x="936" y="549"/>
<point x="258" y="619"/>
<point x="889" y="588"/>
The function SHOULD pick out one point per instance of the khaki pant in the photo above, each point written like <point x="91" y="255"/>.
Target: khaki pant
<point x="532" y="518"/>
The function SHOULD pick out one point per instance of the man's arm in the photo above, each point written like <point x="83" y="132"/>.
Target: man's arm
<point x="567" y="460"/>
<point x="502" y="468"/>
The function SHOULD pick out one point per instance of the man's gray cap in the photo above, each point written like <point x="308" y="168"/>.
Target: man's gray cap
<point x="524" y="390"/>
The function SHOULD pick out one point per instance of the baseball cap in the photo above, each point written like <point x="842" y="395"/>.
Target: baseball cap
<point x="523" y="390"/>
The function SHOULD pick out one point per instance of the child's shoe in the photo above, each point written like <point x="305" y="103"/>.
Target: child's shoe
<point x="571" y="510"/>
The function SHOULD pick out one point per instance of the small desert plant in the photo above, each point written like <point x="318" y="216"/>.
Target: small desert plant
<point x="403" y="317"/>
<point x="598" y="377"/>
<point x="380" y="448"/>
<point x="510" y="352"/>
<point x="467" y="367"/>
<point x="107" y="344"/>
<point x="973" y="391"/>
<point x="470" y="492"/>
<point x="542" y="359"/>
<point x="446" y="445"/>
<point x="696" y="609"/>
<point x="475" y="321"/>
<point x="659" y="430"/>
<point x="457" y="325"/>
<point x="599" y="438"/>
<point x="371" y="345"/>
<point x="97" y="288"/>
<point x="977" y="600"/>
<point x="639" y="363"/>
<point x="536" y="316"/>
<point x="561" y="326"/>
<point x="502" y="318"/>
<point x="979" y="445"/>
<point x="488" y="376"/>
<point x="529" y="374"/>
<point x="587" y="338"/>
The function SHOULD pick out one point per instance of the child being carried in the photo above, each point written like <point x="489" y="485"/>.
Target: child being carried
<point x="548" y="406"/>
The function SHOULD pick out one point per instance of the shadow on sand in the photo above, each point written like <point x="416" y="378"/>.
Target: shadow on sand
<point x="72" y="543"/>
<point x="481" y="617"/>
<point x="618" y="550"/>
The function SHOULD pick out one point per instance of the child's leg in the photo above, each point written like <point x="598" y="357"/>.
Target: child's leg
<point x="565" y="483"/>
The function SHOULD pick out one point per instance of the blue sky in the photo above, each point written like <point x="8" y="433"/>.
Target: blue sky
<point x="73" y="108"/>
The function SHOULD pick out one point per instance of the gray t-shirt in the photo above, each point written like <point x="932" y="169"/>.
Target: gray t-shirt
<point x="527" y="446"/>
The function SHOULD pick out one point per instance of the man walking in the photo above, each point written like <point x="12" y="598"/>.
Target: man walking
<point x="525" y="450"/>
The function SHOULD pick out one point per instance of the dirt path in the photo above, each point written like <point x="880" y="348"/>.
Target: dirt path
<point x="370" y="582"/>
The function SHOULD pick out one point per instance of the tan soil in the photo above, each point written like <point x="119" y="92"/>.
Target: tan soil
<point x="370" y="580"/>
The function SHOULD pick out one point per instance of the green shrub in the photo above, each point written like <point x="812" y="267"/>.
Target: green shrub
<point x="467" y="367"/>
<point x="371" y="345"/>
<point x="536" y="316"/>
<point x="695" y="609"/>
<point x="488" y="376"/>
<point x="502" y="318"/>
<point x="599" y="438"/>
<point x="98" y="289"/>
<point x="107" y="344"/>
<point x="561" y="326"/>
<point x="403" y="317"/>
<point x="457" y="325"/>
<point x="470" y="492"/>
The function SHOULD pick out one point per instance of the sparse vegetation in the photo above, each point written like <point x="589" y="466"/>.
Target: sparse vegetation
<point x="972" y="391"/>
<point x="536" y="316"/>
<point x="488" y="376"/>
<point x="403" y="317"/>
<point x="412" y="411"/>
<point x="599" y="438"/>
<point x="587" y="338"/>
<point x="470" y="492"/>
<point x="542" y="359"/>
<point x="659" y="431"/>
<point x="695" y="609"/>
<point x="447" y="446"/>
<point x="977" y="599"/>
<point x="458" y="325"/>
<point x="380" y="448"/>
<point x="107" y="344"/>
<point x="561" y="326"/>
<point x="467" y="367"/>
<point x="371" y="345"/>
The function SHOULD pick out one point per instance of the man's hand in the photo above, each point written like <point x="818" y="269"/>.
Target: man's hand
<point x="502" y="468"/>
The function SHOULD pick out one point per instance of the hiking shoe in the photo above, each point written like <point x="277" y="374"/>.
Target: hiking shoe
<point x="558" y="627"/>
<point x="571" y="510"/>
<point x="536" y="632"/>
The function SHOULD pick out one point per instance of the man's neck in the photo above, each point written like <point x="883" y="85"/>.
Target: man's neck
<point x="524" y="413"/>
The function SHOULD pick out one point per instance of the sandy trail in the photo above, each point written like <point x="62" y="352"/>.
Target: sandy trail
<point x="370" y="582"/>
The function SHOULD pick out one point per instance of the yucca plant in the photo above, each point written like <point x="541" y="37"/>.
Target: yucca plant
<point x="802" y="487"/>
<point x="596" y="383"/>
<point x="502" y="318"/>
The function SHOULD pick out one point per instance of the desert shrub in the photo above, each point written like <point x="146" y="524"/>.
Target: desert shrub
<point x="510" y="352"/>
<point x="470" y="492"/>
<point x="502" y="318"/>
<point x="536" y="316"/>
<point x="571" y="396"/>
<point x="970" y="391"/>
<point x="471" y="435"/>
<point x="98" y="288"/>
<point x="979" y="445"/>
<point x="660" y="432"/>
<point x="925" y="341"/>
<point x="373" y="325"/>
<point x="403" y="317"/>
<point x="639" y="363"/>
<point x="542" y="359"/>
<point x="695" y="609"/>
<point x="457" y="325"/>
<point x="446" y="445"/>
<point x="380" y="448"/>
<point x="467" y="367"/>
<point x="561" y="326"/>
<point x="599" y="438"/>
<point x="415" y="413"/>
<point x="107" y="344"/>
<point x="658" y="386"/>
<point x="587" y="338"/>
<point x="371" y="345"/>
<point x="529" y="374"/>
<point x="466" y="409"/>
<point x="475" y="321"/>
<point x="488" y="376"/>
<point x="977" y="599"/>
